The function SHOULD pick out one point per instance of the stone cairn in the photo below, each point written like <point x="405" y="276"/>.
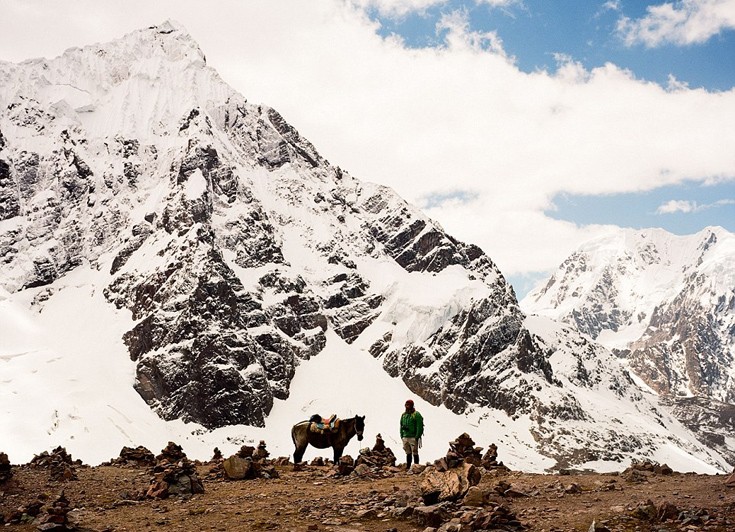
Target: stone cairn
<point x="174" y="474"/>
<point x="217" y="455"/>
<point x="137" y="457"/>
<point x="57" y="516"/>
<point x="490" y="459"/>
<point x="378" y="457"/>
<point x="59" y="464"/>
<point x="5" y="470"/>
<point x="370" y="463"/>
<point x="249" y="463"/>
<point x="216" y="471"/>
<point x="449" y="487"/>
<point x="463" y="450"/>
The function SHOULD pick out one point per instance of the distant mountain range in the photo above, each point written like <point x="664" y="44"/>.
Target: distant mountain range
<point x="666" y="305"/>
<point x="237" y="251"/>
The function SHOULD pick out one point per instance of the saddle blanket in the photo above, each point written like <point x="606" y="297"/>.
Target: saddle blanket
<point x="320" y="424"/>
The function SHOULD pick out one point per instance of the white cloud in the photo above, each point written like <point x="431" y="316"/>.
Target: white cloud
<point x="499" y="3"/>
<point x="686" y="206"/>
<point x="673" y="206"/>
<point x="674" y="84"/>
<point x="431" y="122"/>
<point x="455" y="28"/>
<point x="397" y="8"/>
<point x="684" y="22"/>
<point x="610" y="5"/>
<point x="400" y="8"/>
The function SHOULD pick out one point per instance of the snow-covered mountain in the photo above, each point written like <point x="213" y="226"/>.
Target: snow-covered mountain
<point x="664" y="303"/>
<point x="161" y="235"/>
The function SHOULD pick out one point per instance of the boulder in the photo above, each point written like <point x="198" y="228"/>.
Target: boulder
<point x="429" y="516"/>
<point x="346" y="465"/>
<point x="361" y="470"/>
<point x="474" y="497"/>
<point x="451" y="485"/>
<point x="237" y="468"/>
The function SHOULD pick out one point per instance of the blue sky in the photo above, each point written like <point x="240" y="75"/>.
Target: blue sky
<point x="704" y="205"/>
<point x="523" y="126"/>
<point x="535" y="31"/>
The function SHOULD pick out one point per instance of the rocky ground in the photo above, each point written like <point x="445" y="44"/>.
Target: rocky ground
<point x="462" y="492"/>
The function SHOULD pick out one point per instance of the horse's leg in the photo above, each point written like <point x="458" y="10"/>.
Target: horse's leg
<point x="298" y="454"/>
<point x="301" y="444"/>
<point x="338" y="454"/>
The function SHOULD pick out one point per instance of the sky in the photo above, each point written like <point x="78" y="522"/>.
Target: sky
<point x="523" y="126"/>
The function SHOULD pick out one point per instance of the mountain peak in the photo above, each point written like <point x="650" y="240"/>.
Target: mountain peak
<point x="99" y="87"/>
<point x="170" y="39"/>
<point x="169" y="26"/>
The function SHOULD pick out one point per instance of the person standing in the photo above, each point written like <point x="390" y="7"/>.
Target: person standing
<point x="412" y="428"/>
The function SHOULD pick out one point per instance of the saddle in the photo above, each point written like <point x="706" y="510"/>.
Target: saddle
<point x="321" y="424"/>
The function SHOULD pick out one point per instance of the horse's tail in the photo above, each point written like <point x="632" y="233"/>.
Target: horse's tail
<point x="293" y="433"/>
<point x="293" y="430"/>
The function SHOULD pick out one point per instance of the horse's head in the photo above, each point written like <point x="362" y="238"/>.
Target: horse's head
<point x="359" y="426"/>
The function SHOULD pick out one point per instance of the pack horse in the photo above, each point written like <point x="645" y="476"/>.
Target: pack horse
<point x="337" y="437"/>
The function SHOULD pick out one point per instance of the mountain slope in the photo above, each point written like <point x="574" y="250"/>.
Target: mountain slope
<point x="231" y="253"/>
<point x="666" y="304"/>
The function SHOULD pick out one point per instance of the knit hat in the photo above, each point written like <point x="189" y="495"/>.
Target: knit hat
<point x="409" y="403"/>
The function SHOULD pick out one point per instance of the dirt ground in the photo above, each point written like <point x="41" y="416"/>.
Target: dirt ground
<point x="109" y="498"/>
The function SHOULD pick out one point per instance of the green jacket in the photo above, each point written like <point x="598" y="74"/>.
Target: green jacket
<point x="412" y="425"/>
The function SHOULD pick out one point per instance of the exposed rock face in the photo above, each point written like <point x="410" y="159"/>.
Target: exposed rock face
<point x="489" y="334"/>
<point x="689" y="347"/>
<point x="712" y="421"/>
